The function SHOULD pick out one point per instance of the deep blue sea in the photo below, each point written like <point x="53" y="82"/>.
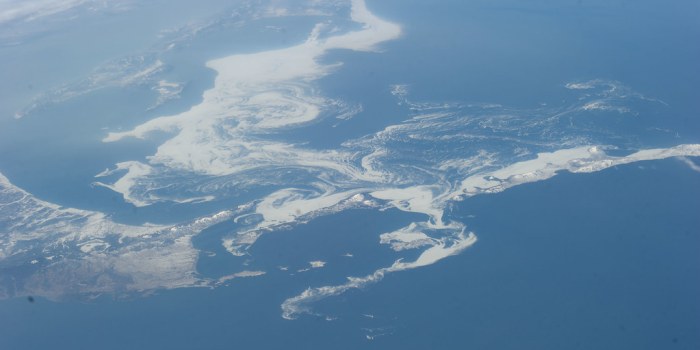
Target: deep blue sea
<point x="583" y="261"/>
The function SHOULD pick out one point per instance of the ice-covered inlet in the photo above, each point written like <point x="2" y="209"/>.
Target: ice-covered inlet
<point x="255" y="94"/>
<point x="230" y="141"/>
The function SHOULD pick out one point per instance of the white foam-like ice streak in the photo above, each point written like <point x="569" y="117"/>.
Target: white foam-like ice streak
<point x="242" y="274"/>
<point x="375" y="31"/>
<point x="121" y="73"/>
<point x="125" y="184"/>
<point x="290" y="206"/>
<point x="577" y="160"/>
<point x="602" y="105"/>
<point x="317" y="264"/>
<point x="254" y="93"/>
<point x="417" y="199"/>
<point x="579" y="86"/>
<point x="409" y="237"/>
<point x="166" y="91"/>
<point x="440" y="250"/>
<point x="287" y="205"/>
<point x="690" y="163"/>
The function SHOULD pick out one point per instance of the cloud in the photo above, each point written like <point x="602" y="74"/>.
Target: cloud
<point x="30" y="10"/>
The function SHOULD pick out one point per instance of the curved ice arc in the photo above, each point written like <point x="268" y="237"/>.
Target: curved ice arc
<point x="300" y="303"/>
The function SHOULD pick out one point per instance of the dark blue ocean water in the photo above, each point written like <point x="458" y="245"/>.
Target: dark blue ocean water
<point x="521" y="56"/>
<point x="327" y="238"/>
<point x="245" y="313"/>
<point x="586" y="261"/>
